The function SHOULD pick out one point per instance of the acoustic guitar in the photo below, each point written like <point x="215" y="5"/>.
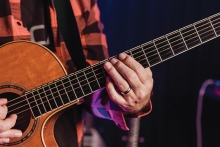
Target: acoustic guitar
<point x="38" y="87"/>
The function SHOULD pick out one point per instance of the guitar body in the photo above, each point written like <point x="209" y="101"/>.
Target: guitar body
<point x="25" y="65"/>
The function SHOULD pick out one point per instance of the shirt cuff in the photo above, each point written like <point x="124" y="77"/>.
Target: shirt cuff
<point x="112" y="111"/>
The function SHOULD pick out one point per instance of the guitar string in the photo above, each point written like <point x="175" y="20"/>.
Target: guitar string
<point x="157" y="44"/>
<point x="28" y="114"/>
<point x="200" y="30"/>
<point x="191" y="38"/>
<point x="23" y="116"/>
<point x="28" y="109"/>
<point x="59" y="85"/>
<point x="162" y="47"/>
<point x="171" y="46"/>
<point x="176" y="40"/>
<point x="181" y="43"/>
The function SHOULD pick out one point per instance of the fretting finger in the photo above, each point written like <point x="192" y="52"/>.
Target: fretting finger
<point x="135" y="66"/>
<point x="127" y="73"/>
<point x="123" y="102"/>
<point x="112" y="92"/>
<point x="120" y="82"/>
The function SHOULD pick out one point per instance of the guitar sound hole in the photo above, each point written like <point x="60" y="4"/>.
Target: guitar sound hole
<point x="18" y="105"/>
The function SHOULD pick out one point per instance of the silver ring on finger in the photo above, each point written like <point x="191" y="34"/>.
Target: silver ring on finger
<point x="127" y="91"/>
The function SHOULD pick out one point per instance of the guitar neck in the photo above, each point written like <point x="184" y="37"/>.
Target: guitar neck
<point x="88" y="80"/>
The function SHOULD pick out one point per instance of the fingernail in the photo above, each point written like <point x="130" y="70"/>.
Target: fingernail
<point x="113" y="60"/>
<point x="5" y="140"/>
<point x="122" y="56"/>
<point x="107" y="65"/>
<point x="18" y="134"/>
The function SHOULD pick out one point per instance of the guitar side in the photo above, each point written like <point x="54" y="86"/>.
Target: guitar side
<point x="24" y="66"/>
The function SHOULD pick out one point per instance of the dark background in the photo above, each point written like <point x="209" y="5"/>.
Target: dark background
<point x="177" y="81"/>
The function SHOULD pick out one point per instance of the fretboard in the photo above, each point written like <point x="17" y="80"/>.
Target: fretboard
<point x="88" y="80"/>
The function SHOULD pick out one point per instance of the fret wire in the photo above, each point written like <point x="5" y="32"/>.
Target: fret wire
<point x="58" y="91"/>
<point x="215" y="20"/>
<point x="183" y="40"/>
<point x="97" y="65"/>
<point x="145" y="55"/>
<point x="46" y="86"/>
<point x="206" y="23"/>
<point x="79" y="84"/>
<point x="72" y="87"/>
<point x="41" y="99"/>
<point x="206" y="31"/>
<point x="212" y="26"/>
<point x="217" y="26"/>
<point x="92" y="79"/>
<point x="131" y="54"/>
<point x="148" y="65"/>
<point x="76" y="85"/>
<point x="74" y="78"/>
<point x="176" y="45"/>
<point x="83" y="84"/>
<point x="202" y="26"/>
<point x="157" y="50"/>
<point x="80" y="72"/>
<point x="178" y="42"/>
<point x="149" y="49"/>
<point x="47" y="98"/>
<point x="194" y="34"/>
<point x="36" y="102"/>
<point x="170" y="45"/>
<point x="164" y="50"/>
<point x="177" y="31"/>
<point x="52" y="94"/>
<point x="138" y="54"/>
<point x="197" y="33"/>
<point x="153" y="55"/>
<point x="200" y="23"/>
<point x="95" y="76"/>
<point x="50" y="99"/>
<point x="37" y="105"/>
<point x="181" y="34"/>
<point x="101" y="66"/>
<point x="87" y="81"/>
<point x="60" y="96"/>
<point x="65" y="90"/>
<point x="210" y="38"/>
<point x="101" y="77"/>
